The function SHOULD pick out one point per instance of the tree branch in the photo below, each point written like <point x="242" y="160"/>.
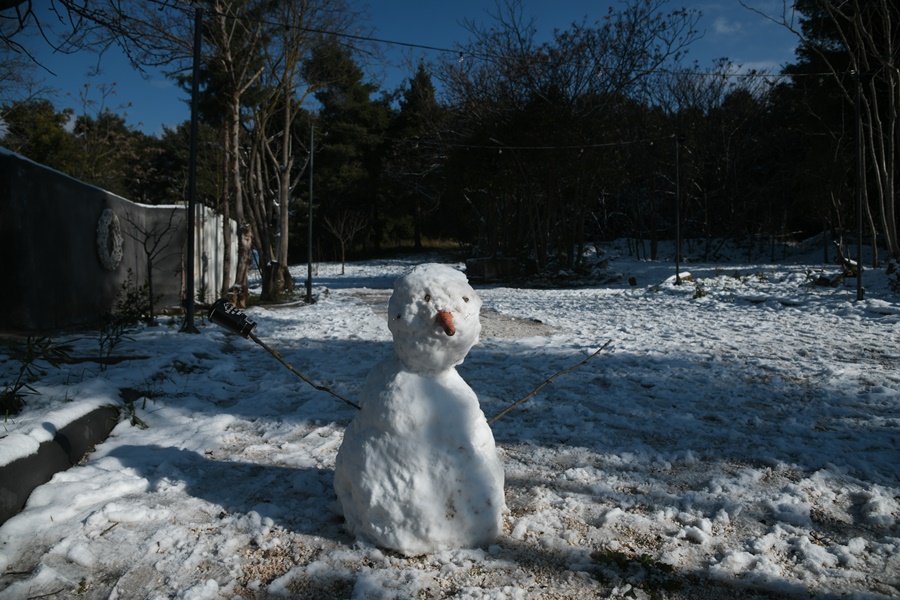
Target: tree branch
<point x="548" y="381"/>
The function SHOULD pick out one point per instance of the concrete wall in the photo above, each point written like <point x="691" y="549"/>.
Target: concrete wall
<point x="55" y="277"/>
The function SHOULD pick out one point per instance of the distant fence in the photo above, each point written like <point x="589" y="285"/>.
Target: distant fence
<point x="67" y="247"/>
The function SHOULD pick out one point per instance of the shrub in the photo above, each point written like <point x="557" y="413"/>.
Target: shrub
<point x="28" y="354"/>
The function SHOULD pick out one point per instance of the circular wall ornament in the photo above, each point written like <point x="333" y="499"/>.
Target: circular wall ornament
<point x="109" y="240"/>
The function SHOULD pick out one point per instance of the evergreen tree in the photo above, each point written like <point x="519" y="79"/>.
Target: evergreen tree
<point x="35" y="129"/>
<point x="842" y="44"/>
<point x="167" y="168"/>
<point x="414" y="170"/>
<point x="102" y="150"/>
<point x="108" y="152"/>
<point x="352" y="126"/>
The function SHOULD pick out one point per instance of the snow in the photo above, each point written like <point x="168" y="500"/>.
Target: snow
<point x="428" y="293"/>
<point x="16" y="445"/>
<point x="29" y="435"/>
<point x="740" y="437"/>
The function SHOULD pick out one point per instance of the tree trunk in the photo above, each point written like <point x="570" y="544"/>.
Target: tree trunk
<point x="149" y="290"/>
<point x="284" y="183"/>
<point x="276" y="281"/>
<point x="417" y="228"/>
<point x="226" y="214"/>
<point x="240" y="291"/>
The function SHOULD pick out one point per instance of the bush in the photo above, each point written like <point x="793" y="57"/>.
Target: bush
<point x="34" y="349"/>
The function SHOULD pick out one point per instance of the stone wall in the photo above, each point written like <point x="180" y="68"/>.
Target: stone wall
<point x="68" y="247"/>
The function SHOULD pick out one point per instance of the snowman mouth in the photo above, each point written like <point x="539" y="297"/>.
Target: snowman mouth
<point x="445" y="321"/>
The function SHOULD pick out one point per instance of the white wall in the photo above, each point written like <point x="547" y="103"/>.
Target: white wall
<point x="210" y="254"/>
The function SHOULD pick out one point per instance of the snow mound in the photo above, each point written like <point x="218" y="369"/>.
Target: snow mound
<point x="417" y="300"/>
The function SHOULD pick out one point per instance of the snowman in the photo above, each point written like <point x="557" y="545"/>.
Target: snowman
<point x="418" y="470"/>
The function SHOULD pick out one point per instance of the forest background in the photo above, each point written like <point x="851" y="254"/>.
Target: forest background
<point x="527" y="150"/>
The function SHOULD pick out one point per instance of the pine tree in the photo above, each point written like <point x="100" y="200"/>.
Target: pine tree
<point x="353" y="127"/>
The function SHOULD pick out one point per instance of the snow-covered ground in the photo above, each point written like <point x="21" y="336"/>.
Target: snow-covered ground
<point x="739" y="437"/>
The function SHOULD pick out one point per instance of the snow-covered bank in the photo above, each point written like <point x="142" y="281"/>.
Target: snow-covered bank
<point x="740" y="437"/>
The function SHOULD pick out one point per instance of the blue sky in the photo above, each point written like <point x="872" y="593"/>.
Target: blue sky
<point x="729" y="30"/>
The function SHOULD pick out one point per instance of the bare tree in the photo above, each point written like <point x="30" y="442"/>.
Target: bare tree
<point x="153" y="236"/>
<point x="275" y="153"/>
<point x="279" y="152"/>
<point x="17" y="78"/>
<point x="715" y="111"/>
<point x="236" y="45"/>
<point x="95" y="25"/>
<point x="344" y="226"/>
<point x="511" y="91"/>
<point x="868" y="31"/>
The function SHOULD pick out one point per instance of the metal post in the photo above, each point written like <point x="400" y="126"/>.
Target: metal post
<point x="677" y="211"/>
<point x="860" y="292"/>
<point x="309" y="247"/>
<point x="188" y="325"/>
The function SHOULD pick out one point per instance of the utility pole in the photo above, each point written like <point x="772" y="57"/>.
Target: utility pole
<point x="188" y="325"/>
<point x="677" y="209"/>
<point x="860" y="292"/>
<point x="309" y="243"/>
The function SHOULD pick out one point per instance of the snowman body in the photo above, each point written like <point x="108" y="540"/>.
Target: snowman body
<point x="418" y="469"/>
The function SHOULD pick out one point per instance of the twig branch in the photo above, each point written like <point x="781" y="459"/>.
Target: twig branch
<point x="321" y="388"/>
<point x="548" y="381"/>
<point x="59" y="591"/>
<point x="849" y="266"/>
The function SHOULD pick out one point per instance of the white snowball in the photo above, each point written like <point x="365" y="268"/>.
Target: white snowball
<point x="421" y="343"/>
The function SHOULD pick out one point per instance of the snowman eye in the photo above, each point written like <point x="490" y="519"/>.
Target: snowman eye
<point x="465" y="298"/>
<point x="427" y="297"/>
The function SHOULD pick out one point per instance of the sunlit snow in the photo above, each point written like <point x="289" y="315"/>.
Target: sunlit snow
<point x="739" y="438"/>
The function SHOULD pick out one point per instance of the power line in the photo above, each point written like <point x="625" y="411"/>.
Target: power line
<point x="463" y="54"/>
<point x="496" y="146"/>
<point x="500" y="146"/>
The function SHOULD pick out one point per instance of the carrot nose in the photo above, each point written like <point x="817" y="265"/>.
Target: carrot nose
<point x="445" y="320"/>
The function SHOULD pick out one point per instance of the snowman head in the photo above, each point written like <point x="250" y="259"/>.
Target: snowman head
<point x="433" y="316"/>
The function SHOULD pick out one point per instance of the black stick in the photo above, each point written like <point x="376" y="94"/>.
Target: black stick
<point x="233" y="319"/>
<point x="548" y="381"/>
<point x="321" y="388"/>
